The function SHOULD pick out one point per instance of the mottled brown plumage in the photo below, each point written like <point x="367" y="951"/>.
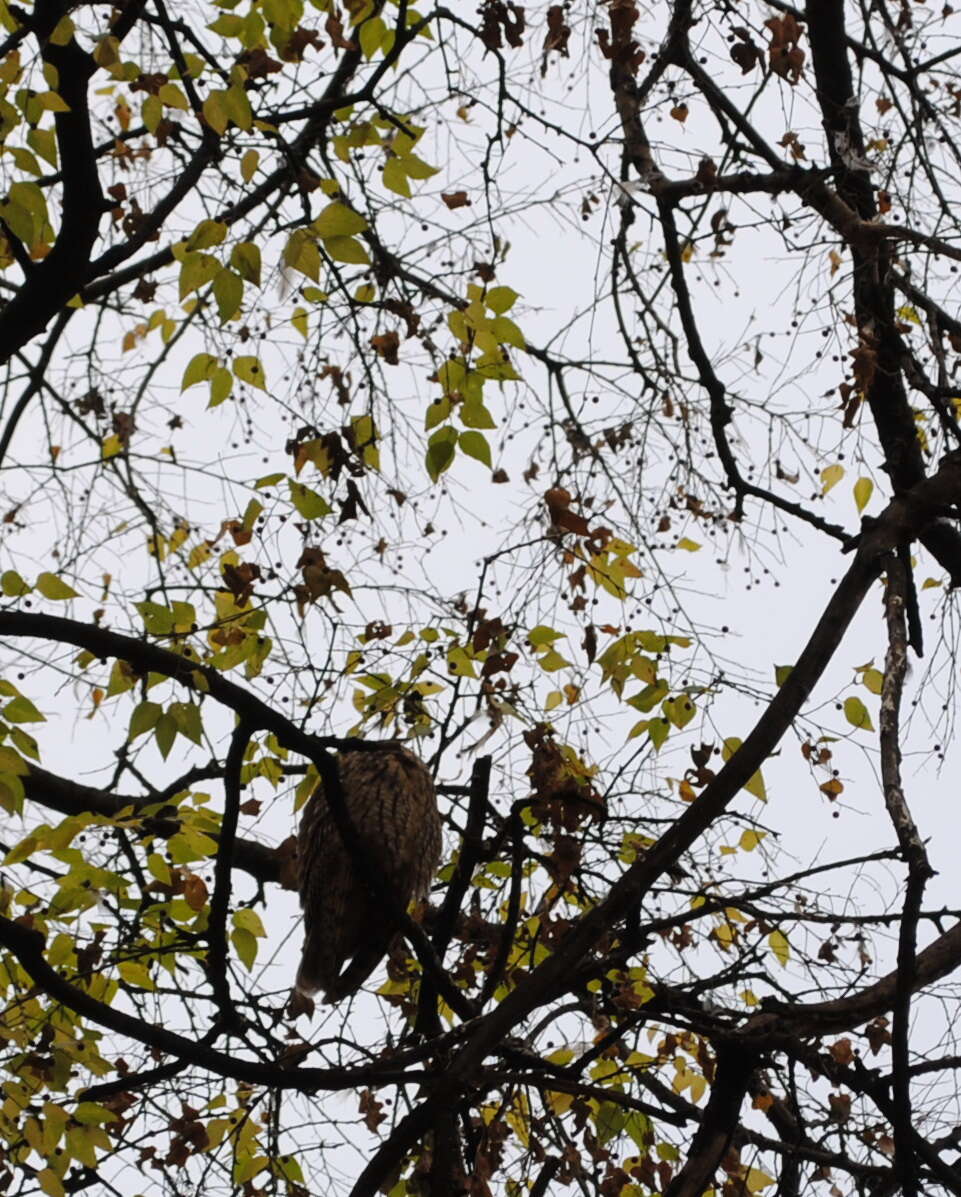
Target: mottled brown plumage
<point x="389" y="796"/>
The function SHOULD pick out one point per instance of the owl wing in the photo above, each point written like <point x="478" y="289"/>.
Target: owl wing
<point x="390" y="800"/>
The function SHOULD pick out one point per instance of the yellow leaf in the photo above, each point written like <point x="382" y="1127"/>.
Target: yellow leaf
<point x="831" y="476"/>
<point x="863" y="490"/>
<point x="909" y="314"/>
<point x="756" y="1180"/>
<point x="756" y="787"/>
<point x="300" y="322"/>
<point x="874" y="680"/>
<point x="248" y="165"/>
<point x="689" y="546"/>
<point x="777" y="942"/>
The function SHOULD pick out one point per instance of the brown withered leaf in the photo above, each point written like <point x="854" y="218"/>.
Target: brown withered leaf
<point x="385" y="345"/>
<point x="124" y="425"/>
<point x="501" y="19"/>
<point x="371" y="1109"/>
<point x="352" y="503"/>
<point x="335" y="31"/>
<point x="240" y="580"/>
<point x="785" y="56"/>
<point x="456" y="199"/>
<point x="297" y="43"/>
<point x="259" y="64"/>
<point x="558" y="36"/>
<point x="589" y="643"/>
<point x="744" y="51"/>
<point x="865" y="363"/>
<point x="877" y="1034"/>
<point x="558" y="502"/>
<point x="195" y="891"/>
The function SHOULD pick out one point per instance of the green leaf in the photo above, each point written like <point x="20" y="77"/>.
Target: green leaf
<point x="22" y="710"/>
<point x="51" y="1183"/>
<point x="782" y="673"/>
<point x="680" y="711"/>
<point x="245" y="945"/>
<point x="249" y="920"/>
<point x="309" y="503"/>
<point x="207" y="234"/>
<point x="337" y="220"/>
<point x="229" y="294"/>
<point x="245" y="259"/>
<point x="157" y="619"/>
<point x="440" y="452"/>
<point x="89" y="1113"/>
<point x="221" y="385"/>
<point x="186" y="715"/>
<point x="347" y="249"/>
<point x="13" y="585"/>
<point x="437" y="413"/>
<point x="658" y="730"/>
<point x="135" y="973"/>
<point x="395" y="178"/>
<point x="857" y="714"/>
<point x="165" y="733"/>
<point x="143" y="719"/>
<point x="249" y="369"/>
<point x="52" y="587"/>
<point x="474" y="414"/>
<point x="371" y="35"/>
<point x="199" y="369"/>
<point x="25" y="743"/>
<point x="475" y="445"/>
<point x="158" y="868"/>
<point x="215" y="112"/>
<point x="501" y="299"/>
<point x="301" y="253"/>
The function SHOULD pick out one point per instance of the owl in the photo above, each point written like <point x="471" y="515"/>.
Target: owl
<point x="389" y="796"/>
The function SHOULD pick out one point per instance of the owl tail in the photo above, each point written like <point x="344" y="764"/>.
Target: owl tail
<point x="317" y="969"/>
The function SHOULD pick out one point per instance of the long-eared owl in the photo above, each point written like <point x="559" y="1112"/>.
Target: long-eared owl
<point x="389" y="796"/>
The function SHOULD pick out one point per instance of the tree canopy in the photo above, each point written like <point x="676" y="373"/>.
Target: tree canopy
<point x="567" y="391"/>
